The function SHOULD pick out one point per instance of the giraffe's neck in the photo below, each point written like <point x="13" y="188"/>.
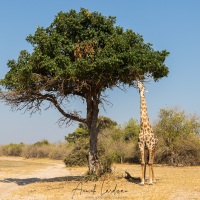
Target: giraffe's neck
<point x="144" y="118"/>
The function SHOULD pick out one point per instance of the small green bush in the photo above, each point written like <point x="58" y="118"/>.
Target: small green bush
<point x="77" y="152"/>
<point x="106" y="163"/>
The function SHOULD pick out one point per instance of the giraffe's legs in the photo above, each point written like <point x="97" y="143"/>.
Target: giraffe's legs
<point x="151" y="171"/>
<point x="143" y="171"/>
<point x="150" y="174"/>
<point x="143" y="165"/>
<point x="153" y="177"/>
<point x="143" y="174"/>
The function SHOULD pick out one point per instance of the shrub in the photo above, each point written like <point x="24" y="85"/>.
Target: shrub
<point x="41" y="149"/>
<point x="45" y="150"/>
<point x="42" y="143"/>
<point x="12" y="149"/>
<point x="58" y="151"/>
<point x="34" y="151"/>
<point x="77" y="152"/>
<point x="106" y="162"/>
<point x="179" y="140"/>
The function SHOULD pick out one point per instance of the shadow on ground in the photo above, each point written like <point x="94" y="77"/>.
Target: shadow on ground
<point x="132" y="179"/>
<point x="136" y="180"/>
<point x="27" y="181"/>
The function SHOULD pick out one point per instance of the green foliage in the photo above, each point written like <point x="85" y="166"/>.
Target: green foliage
<point x="81" y="54"/>
<point x="119" y="141"/>
<point x="77" y="152"/>
<point x="41" y="143"/>
<point x="78" y="145"/>
<point x="106" y="122"/>
<point x="12" y="149"/>
<point x="116" y="144"/>
<point x="80" y="49"/>
<point x="178" y="135"/>
<point x="131" y="130"/>
<point x="106" y="163"/>
<point x="116" y="52"/>
<point x="179" y="140"/>
<point x="80" y="132"/>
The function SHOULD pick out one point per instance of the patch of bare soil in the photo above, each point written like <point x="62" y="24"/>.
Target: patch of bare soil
<point x="54" y="181"/>
<point x="15" y="173"/>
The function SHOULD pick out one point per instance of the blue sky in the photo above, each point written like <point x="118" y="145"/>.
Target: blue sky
<point x="171" y="25"/>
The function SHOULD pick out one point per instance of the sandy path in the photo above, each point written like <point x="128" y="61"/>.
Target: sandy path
<point x="16" y="181"/>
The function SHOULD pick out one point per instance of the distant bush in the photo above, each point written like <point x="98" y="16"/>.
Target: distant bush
<point x="41" y="149"/>
<point x="45" y="150"/>
<point x="58" y="151"/>
<point x="34" y="151"/>
<point x="179" y="139"/>
<point x="42" y="143"/>
<point x="12" y="149"/>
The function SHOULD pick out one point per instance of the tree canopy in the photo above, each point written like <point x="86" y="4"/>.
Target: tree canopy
<point x="81" y="54"/>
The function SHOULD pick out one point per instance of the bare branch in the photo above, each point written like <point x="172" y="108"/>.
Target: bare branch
<point x="31" y="102"/>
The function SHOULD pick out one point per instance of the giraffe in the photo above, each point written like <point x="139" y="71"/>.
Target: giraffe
<point x="147" y="140"/>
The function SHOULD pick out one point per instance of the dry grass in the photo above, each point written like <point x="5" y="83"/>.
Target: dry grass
<point x="173" y="183"/>
<point x="16" y="165"/>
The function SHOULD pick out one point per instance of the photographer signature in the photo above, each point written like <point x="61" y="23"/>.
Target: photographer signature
<point x="79" y="190"/>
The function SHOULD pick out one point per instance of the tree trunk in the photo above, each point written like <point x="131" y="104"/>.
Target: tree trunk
<point x="93" y="161"/>
<point x="121" y="159"/>
<point x="92" y="119"/>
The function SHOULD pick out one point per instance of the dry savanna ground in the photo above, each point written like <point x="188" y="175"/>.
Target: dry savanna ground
<point x="35" y="179"/>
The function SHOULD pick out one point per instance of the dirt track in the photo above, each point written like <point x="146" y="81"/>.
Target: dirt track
<point x="14" y="182"/>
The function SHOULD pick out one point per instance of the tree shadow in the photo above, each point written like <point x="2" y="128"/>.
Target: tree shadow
<point x="27" y="181"/>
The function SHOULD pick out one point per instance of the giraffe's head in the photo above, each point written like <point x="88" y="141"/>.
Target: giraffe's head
<point x="141" y="86"/>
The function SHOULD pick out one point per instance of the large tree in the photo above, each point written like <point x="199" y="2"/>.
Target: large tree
<point x="80" y="54"/>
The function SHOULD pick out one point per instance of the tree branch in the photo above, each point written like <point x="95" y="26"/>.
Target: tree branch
<point x="33" y="100"/>
<point x="71" y="116"/>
